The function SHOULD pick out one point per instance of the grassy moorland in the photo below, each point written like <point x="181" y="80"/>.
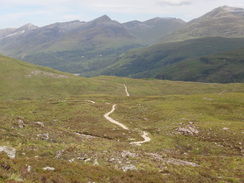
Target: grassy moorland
<point x="75" y="136"/>
<point x="63" y="136"/>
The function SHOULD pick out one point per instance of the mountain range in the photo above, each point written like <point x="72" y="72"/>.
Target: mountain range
<point x="105" y="46"/>
<point x="60" y="127"/>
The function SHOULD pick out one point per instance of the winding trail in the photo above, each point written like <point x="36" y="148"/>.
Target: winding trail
<point x="144" y="135"/>
<point x="146" y="139"/>
<point x="126" y="91"/>
<point x="114" y="121"/>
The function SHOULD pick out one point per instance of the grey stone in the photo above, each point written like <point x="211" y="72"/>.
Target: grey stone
<point x="9" y="151"/>
<point x="129" y="167"/>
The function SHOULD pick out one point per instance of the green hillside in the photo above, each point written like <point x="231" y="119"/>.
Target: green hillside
<point x="222" y="68"/>
<point x="154" y="61"/>
<point x="20" y="79"/>
<point x="53" y="128"/>
<point x="23" y="80"/>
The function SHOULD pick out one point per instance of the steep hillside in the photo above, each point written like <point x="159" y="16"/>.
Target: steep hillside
<point x="21" y="80"/>
<point x="74" y="47"/>
<point x="81" y="47"/>
<point x="24" y="80"/>
<point x="227" y="67"/>
<point x="223" y="21"/>
<point x="155" y="60"/>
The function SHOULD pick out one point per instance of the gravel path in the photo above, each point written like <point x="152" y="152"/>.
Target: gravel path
<point x="145" y="134"/>
<point x="114" y="121"/>
<point x="146" y="139"/>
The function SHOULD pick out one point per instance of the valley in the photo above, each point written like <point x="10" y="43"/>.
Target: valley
<point x="171" y="131"/>
<point x="138" y="102"/>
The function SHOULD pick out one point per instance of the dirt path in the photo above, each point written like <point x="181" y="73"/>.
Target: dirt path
<point x="114" y="121"/>
<point x="145" y="134"/>
<point x="126" y="91"/>
<point x="146" y="139"/>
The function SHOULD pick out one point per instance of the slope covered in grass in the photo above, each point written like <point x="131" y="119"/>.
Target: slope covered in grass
<point x="227" y="67"/>
<point x="80" y="145"/>
<point x="53" y="129"/>
<point x="21" y="79"/>
<point x="149" y="62"/>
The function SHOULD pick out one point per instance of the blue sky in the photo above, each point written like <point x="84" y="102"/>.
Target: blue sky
<point x="15" y="13"/>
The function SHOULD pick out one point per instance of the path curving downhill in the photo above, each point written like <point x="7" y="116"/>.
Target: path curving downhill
<point x="114" y="121"/>
<point x="146" y="139"/>
<point x="144" y="135"/>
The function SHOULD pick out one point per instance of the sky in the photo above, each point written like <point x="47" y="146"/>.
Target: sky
<point x="15" y="13"/>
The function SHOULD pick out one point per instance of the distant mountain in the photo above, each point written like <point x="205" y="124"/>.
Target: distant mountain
<point x="101" y="46"/>
<point x="184" y="61"/>
<point x="4" y="32"/>
<point x="224" y="21"/>
<point x="81" y="47"/>
<point x="152" y="30"/>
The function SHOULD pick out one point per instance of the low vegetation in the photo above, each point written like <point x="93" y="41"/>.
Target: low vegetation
<point x="58" y="133"/>
<point x="214" y="60"/>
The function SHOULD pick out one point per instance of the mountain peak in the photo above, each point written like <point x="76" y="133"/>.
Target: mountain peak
<point x="28" y="26"/>
<point x="231" y="9"/>
<point x="225" y="10"/>
<point x="103" y="18"/>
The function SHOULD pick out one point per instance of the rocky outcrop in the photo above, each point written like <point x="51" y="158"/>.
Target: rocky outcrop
<point x="10" y="151"/>
<point x="129" y="167"/>
<point x="187" y="130"/>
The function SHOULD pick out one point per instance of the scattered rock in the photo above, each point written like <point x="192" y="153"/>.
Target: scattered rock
<point x="9" y="151"/>
<point x="180" y="162"/>
<point x="72" y="160"/>
<point x="40" y="124"/>
<point x="205" y="98"/>
<point x="49" y="168"/>
<point x="111" y="160"/>
<point x="81" y="158"/>
<point x="59" y="154"/>
<point x="29" y="168"/>
<point x="155" y="156"/>
<point x="44" y="136"/>
<point x="225" y="128"/>
<point x="127" y="154"/>
<point x="89" y="101"/>
<point x="88" y="159"/>
<point x="95" y="162"/>
<point x="21" y="123"/>
<point x="164" y="171"/>
<point x="188" y="130"/>
<point x="129" y="167"/>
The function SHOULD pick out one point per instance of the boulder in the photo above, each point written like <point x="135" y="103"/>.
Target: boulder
<point x="9" y="151"/>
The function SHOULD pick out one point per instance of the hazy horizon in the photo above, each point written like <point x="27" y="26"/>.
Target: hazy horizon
<point x="15" y="13"/>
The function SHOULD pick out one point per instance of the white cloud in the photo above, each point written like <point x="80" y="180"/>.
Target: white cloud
<point x="48" y="11"/>
<point x="174" y="2"/>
